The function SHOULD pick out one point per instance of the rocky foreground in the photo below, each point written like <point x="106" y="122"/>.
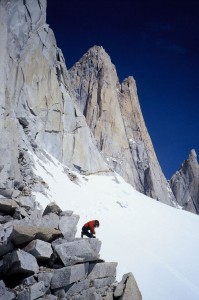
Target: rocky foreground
<point x="40" y="258"/>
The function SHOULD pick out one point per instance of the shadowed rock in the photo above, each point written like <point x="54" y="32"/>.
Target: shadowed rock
<point x="8" y="205"/>
<point x="20" y="262"/>
<point x="52" y="208"/>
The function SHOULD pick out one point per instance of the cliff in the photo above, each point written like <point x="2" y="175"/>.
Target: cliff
<point x="185" y="184"/>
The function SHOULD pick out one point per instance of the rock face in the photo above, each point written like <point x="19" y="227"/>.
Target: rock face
<point x="37" y="108"/>
<point x="67" y="268"/>
<point x="185" y="184"/>
<point x="113" y="113"/>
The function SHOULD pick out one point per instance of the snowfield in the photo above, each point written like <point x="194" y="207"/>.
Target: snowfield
<point x="157" y="243"/>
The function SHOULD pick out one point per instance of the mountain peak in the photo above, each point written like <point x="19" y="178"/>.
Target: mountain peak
<point x="193" y="154"/>
<point x="95" y="58"/>
<point x="185" y="184"/>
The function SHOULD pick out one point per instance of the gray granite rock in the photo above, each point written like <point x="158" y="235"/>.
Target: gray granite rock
<point x="102" y="282"/>
<point x="67" y="225"/>
<point x="39" y="249"/>
<point x="46" y="277"/>
<point x="55" y="124"/>
<point x="4" y="219"/>
<point x="78" y="287"/>
<point x="131" y="290"/>
<point x="26" y="202"/>
<point x="50" y="220"/>
<point x="52" y="208"/>
<point x="19" y="262"/>
<point x="5" y="294"/>
<point x="8" y="205"/>
<point x="29" y="281"/>
<point x="77" y="251"/>
<point x="33" y="292"/>
<point x="185" y="184"/>
<point x="5" y="240"/>
<point x="22" y="234"/>
<point x="67" y="275"/>
<point x="101" y="270"/>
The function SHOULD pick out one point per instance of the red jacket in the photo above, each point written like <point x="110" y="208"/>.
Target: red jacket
<point x="91" y="225"/>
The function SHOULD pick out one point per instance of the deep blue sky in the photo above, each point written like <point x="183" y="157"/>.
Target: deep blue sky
<point x="156" y="42"/>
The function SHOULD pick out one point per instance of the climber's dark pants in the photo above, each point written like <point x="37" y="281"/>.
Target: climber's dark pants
<point x="86" y="231"/>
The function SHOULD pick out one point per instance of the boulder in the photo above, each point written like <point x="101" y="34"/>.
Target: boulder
<point x="4" y="219"/>
<point x="33" y="292"/>
<point x="46" y="277"/>
<point x="81" y="250"/>
<point x="19" y="262"/>
<point x="26" y="202"/>
<point x="101" y="270"/>
<point x="52" y="208"/>
<point x="39" y="249"/>
<point x="5" y="241"/>
<point x="78" y="287"/>
<point x="29" y="280"/>
<point x="4" y="293"/>
<point x="102" y="282"/>
<point x="67" y="275"/>
<point x="22" y="234"/>
<point x="20" y="213"/>
<point x="49" y="221"/>
<point x="67" y="225"/>
<point x="131" y="290"/>
<point x="8" y="205"/>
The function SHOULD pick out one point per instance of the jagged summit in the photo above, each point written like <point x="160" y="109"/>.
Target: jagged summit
<point x="96" y="52"/>
<point x="185" y="184"/>
<point x="193" y="154"/>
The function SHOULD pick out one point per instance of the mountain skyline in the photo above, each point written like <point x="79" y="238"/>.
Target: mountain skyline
<point x="157" y="45"/>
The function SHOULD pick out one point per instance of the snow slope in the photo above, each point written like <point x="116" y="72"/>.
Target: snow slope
<point x="157" y="243"/>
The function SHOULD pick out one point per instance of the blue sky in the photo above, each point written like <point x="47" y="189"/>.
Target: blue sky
<point x="156" y="42"/>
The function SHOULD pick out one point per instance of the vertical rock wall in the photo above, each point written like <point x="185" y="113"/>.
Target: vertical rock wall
<point x="36" y="104"/>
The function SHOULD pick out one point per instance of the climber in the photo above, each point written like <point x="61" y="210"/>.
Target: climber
<point x="89" y="228"/>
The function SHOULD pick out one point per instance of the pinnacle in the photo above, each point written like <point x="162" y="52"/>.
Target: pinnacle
<point x="193" y="154"/>
<point x="97" y="52"/>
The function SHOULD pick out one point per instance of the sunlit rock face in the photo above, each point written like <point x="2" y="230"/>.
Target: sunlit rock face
<point x="185" y="184"/>
<point x="36" y="102"/>
<point x="113" y="113"/>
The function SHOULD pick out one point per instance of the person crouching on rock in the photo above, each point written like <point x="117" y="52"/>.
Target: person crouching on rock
<point x="89" y="228"/>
